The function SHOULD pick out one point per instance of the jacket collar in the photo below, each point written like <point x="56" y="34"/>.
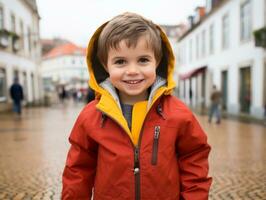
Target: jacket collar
<point x="107" y="85"/>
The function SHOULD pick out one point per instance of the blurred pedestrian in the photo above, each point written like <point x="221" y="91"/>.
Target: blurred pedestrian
<point x="190" y="96"/>
<point x="215" y="105"/>
<point x="16" y="93"/>
<point x="75" y="96"/>
<point x="79" y="95"/>
<point x="62" y="94"/>
<point x="90" y="95"/>
<point x="137" y="141"/>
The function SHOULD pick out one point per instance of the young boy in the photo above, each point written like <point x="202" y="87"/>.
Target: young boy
<point x="135" y="141"/>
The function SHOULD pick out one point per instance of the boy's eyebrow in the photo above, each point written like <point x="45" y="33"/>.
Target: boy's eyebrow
<point x="121" y="57"/>
<point x="117" y="57"/>
<point x="145" y="55"/>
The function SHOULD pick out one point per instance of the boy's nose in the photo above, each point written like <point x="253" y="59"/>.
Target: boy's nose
<point x="132" y="69"/>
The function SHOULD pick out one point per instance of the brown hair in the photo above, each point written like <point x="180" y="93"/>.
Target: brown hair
<point x="129" y="27"/>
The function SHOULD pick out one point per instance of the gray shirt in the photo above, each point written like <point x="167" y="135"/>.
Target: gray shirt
<point x="127" y="112"/>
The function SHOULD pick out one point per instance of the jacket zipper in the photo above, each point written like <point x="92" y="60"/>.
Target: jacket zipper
<point x="136" y="155"/>
<point x="136" y="169"/>
<point x="155" y="145"/>
<point x="137" y="173"/>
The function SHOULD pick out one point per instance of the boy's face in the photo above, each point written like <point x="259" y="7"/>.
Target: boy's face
<point x="132" y="70"/>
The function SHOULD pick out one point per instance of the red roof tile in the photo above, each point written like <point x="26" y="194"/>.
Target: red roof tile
<point x="65" y="49"/>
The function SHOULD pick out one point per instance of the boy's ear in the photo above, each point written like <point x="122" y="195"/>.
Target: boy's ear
<point x="105" y="67"/>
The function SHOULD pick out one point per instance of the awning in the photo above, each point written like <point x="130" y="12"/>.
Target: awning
<point x="192" y="73"/>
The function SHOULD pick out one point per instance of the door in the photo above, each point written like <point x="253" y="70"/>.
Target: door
<point x="264" y="90"/>
<point x="224" y="89"/>
<point x="25" y="86"/>
<point x="245" y="89"/>
<point x="203" y="91"/>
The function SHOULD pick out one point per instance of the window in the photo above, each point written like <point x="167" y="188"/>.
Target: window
<point x="21" y="34"/>
<point x="29" y="39"/>
<point x="25" y="86"/>
<point x="1" y="18"/>
<point x="2" y="85"/>
<point x="13" y="23"/>
<point x="264" y="12"/>
<point x="211" y="37"/>
<point x="197" y="46"/>
<point x="33" y="87"/>
<point x="183" y="52"/>
<point x="190" y="50"/>
<point x="245" y="21"/>
<point x="225" y="32"/>
<point x="179" y="55"/>
<point x="203" y="45"/>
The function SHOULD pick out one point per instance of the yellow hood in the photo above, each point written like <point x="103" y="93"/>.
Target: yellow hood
<point x="108" y="104"/>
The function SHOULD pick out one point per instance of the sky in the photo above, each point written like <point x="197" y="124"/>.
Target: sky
<point x="76" y="20"/>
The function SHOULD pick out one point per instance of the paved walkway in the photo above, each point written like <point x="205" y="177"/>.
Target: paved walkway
<point x="33" y="151"/>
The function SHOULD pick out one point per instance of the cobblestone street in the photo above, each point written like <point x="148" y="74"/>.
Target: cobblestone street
<point x="33" y="151"/>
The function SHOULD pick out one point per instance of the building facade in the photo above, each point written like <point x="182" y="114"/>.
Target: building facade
<point x="173" y="33"/>
<point x="65" y="65"/>
<point x="219" y="49"/>
<point x="20" y="50"/>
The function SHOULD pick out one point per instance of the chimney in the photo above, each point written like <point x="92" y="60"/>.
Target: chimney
<point x="190" y="21"/>
<point x="199" y="14"/>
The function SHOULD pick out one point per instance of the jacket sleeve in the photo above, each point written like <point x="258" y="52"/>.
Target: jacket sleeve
<point x="80" y="169"/>
<point x="192" y="152"/>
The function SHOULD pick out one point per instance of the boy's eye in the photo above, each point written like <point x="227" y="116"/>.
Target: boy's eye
<point x="144" y="60"/>
<point x="120" y="62"/>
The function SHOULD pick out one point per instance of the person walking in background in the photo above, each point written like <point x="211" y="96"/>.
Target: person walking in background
<point x="135" y="140"/>
<point x="62" y="94"/>
<point x="190" y="96"/>
<point x="215" y="105"/>
<point x="16" y="93"/>
<point x="90" y="95"/>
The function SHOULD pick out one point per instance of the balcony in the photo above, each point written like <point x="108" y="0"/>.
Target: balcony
<point x="260" y="37"/>
<point x="7" y="36"/>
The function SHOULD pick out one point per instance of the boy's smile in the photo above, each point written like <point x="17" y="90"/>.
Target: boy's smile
<point x="132" y="70"/>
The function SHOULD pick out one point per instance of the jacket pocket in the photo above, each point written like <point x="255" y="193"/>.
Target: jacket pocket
<point x="155" y="145"/>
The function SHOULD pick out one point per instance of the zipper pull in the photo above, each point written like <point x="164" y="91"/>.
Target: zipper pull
<point x="136" y="161"/>
<point x="136" y="171"/>
<point x="155" y="145"/>
<point x="156" y="132"/>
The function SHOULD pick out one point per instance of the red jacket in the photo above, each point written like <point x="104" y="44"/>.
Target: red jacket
<point x="170" y="163"/>
<point x="164" y="156"/>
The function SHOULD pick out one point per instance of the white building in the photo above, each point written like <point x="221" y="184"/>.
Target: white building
<point x="20" y="49"/>
<point x="65" y="65"/>
<point x="173" y="33"/>
<point x="219" y="49"/>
